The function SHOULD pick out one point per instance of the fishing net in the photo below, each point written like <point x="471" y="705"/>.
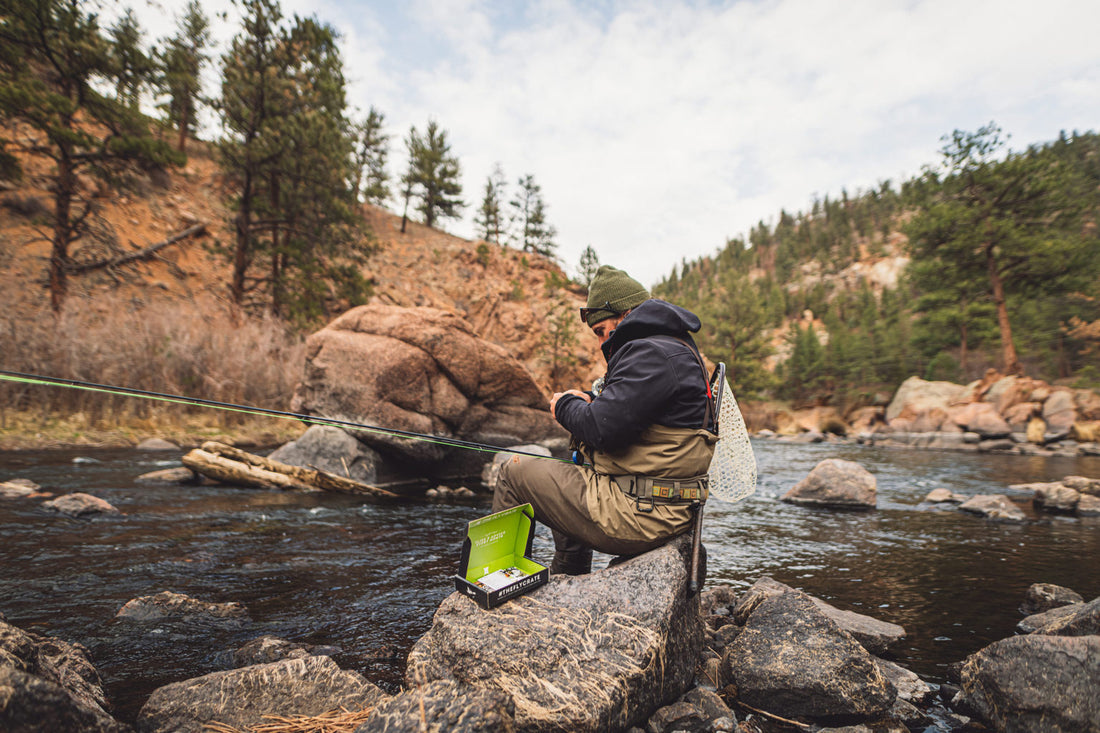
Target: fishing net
<point x="733" y="467"/>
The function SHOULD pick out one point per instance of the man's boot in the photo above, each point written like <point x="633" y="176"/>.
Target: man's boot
<point x="575" y="562"/>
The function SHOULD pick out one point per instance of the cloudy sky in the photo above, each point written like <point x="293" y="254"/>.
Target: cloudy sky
<point x="658" y="129"/>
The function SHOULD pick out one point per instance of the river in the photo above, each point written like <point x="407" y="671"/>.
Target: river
<point x="330" y="569"/>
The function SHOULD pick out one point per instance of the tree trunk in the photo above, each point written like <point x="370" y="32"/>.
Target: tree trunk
<point x="242" y="254"/>
<point x="1008" y="349"/>
<point x="962" y="349"/>
<point x="62" y="232"/>
<point x="185" y="122"/>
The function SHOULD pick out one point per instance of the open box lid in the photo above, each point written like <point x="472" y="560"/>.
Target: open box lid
<point x="498" y="541"/>
<point x="495" y="565"/>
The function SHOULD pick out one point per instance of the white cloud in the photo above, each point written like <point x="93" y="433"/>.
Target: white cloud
<point x="659" y="128"/>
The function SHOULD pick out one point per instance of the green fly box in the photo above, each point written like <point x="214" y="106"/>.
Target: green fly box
<point x="496" y="563"/>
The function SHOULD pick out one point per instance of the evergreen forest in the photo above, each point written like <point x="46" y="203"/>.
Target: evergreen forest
<point x="998" y="261"/>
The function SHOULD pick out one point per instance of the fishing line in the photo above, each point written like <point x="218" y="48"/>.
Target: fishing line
<point x="38" y="379"/>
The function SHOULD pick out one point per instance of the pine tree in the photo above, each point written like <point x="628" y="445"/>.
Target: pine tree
<point x="433" y="175"/>
<point x="532" y="232"/>
<point x="490" y="218"/>
<point x="735" y="332"/>
<point x="371" y="150"/>
<point x="133" y="68"/>
<point x="181" y="68"/>
<point x="289" y="156"/>
<point x="1007" y="223"/>
<point x="53" y="62"/>
<point x="588" y="266"/>
<point x="251" y="86"/>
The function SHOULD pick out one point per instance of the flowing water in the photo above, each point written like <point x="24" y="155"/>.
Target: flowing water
<point x="330" y="569"/>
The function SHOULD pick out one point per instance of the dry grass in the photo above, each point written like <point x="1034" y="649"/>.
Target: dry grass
<point x="336" y="721"/>
<point x="172" y="349"/>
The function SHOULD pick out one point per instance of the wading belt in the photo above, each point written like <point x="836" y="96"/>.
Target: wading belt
<point x="646" y="489"/>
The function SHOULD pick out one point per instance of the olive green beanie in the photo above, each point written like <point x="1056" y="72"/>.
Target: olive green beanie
<point x="613" y="292"/>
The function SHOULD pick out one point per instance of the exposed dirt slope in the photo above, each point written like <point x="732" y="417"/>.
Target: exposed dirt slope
<point x="507" y="296"/>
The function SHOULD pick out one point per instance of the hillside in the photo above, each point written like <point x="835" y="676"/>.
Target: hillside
<point x="513" y="299"/>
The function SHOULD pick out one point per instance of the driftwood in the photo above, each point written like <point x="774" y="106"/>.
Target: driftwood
<point x="234" y="466"/>
<point x="145" y="254"/>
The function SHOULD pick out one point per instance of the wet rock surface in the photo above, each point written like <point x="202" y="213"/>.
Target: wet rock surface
<point x="242" y="697"/>
<point x="49" y="684"/>
<point x="1035" y="683"/>
<point x="585" y="653"/>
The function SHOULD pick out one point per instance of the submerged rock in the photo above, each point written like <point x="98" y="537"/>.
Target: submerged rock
<point x="587" y="653"/>
<point x="80" y="505"/>
<point x="170" y="606"/>
<point x="993" y="506"/>
<point x="265" y="649"/>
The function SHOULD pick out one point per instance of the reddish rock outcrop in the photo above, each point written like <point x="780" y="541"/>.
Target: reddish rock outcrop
<point x="420" y="370"/>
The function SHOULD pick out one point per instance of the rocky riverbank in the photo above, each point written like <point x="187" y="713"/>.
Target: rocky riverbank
<point x="997" y="414"/>
<point x="594" y="654"/>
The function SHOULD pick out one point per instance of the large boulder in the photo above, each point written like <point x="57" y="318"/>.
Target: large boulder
<point x="49" y="684"/>
<point x="1059" y="413"/>
<point x="599" y="652"/>
<point x="1075" y="619"/>
<point x="1045" y="684"/>
<point x="420" y="370"/>
<point x="1087" y="402"/>
<point x="332" y="449"/>
<point x="836" y="483"/>
<point x="916" y="395"/>
<point x="874" y="635"/>
<point x="981" y="418"/>
<point x="792" y="660"/>
<point x="242" y="697"/>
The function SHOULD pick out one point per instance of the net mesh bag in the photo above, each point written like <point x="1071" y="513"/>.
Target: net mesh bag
<point x="733" y="467"/>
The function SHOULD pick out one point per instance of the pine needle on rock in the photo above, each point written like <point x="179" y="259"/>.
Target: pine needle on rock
<point x="334" y="721"/>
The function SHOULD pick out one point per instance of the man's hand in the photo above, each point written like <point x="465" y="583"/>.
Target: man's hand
<point x="558" y="395"/>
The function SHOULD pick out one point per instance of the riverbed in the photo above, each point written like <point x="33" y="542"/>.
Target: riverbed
<point x="330" y="569"/>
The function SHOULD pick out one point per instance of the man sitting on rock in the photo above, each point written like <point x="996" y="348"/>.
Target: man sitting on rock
<point x="643" y="435"/>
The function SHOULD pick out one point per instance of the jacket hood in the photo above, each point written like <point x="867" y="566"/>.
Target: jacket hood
<point x="651" y="318"/>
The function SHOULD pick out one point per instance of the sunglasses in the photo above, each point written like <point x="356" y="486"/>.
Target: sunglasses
<point x="585" y="312"/>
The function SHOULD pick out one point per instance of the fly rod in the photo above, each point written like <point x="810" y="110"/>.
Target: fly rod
<point x="39" y="379"/>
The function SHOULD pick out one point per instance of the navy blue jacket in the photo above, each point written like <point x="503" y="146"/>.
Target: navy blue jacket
<point x="653" y="377"/>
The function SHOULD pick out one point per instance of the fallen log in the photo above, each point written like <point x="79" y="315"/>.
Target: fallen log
<point x="234" y="466"/>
